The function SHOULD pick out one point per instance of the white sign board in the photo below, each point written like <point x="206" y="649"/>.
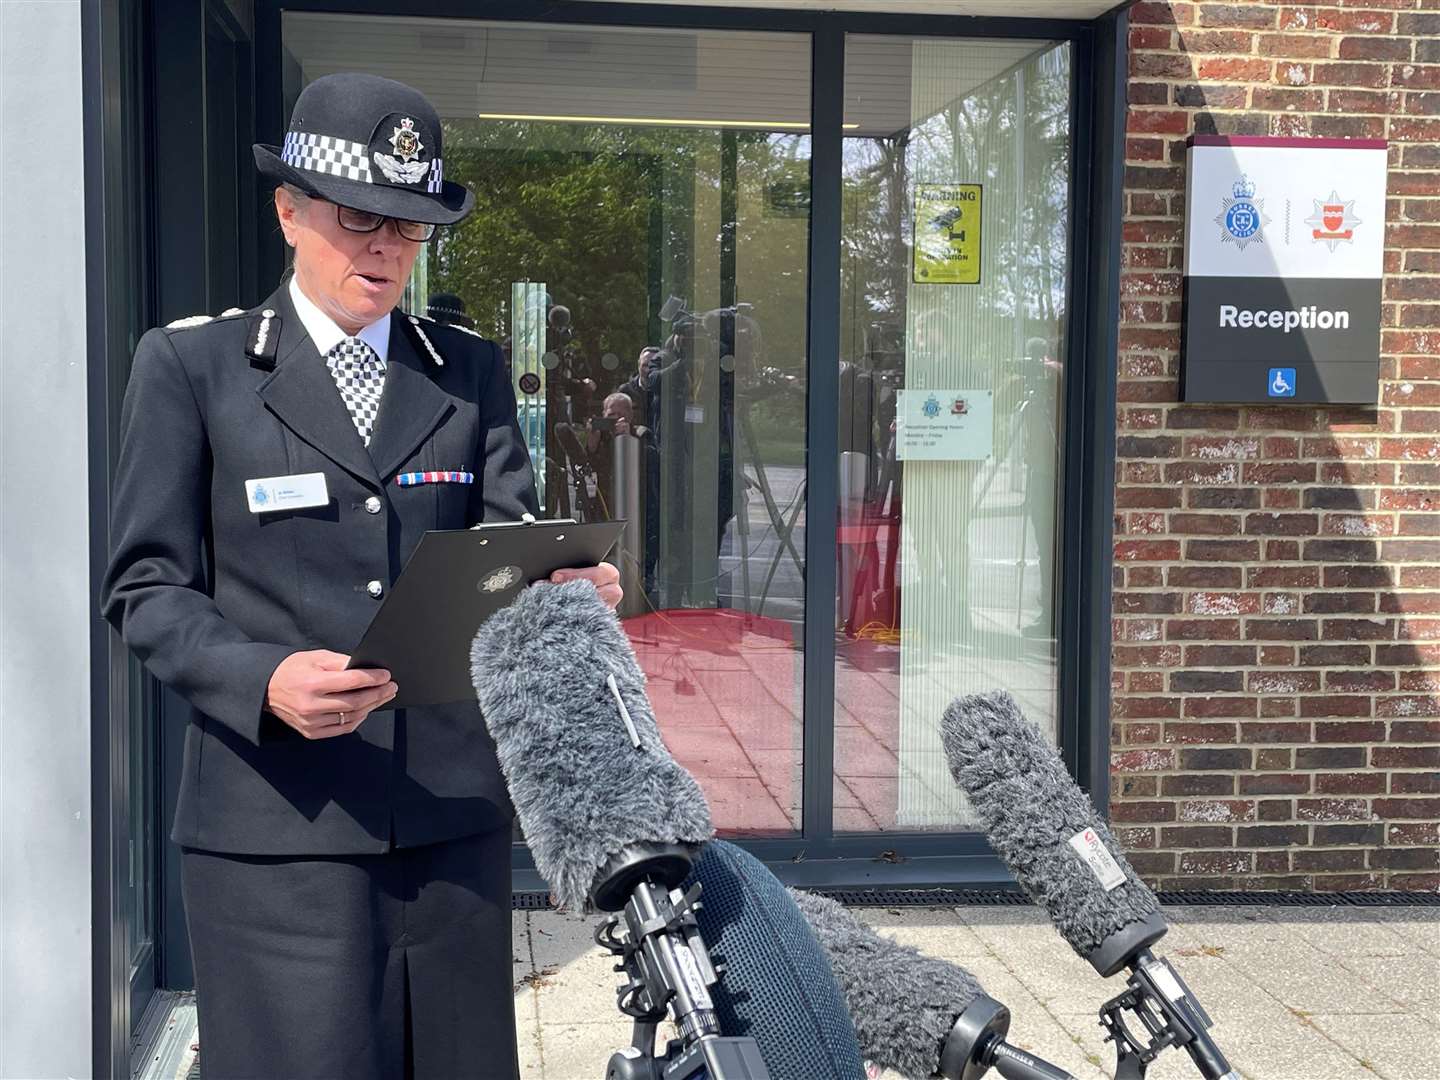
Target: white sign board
<point x="944" y="425"/>
<point x="1284" y="252"/>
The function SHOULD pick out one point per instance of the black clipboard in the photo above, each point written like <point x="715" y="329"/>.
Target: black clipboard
<point x="454" y="581"/>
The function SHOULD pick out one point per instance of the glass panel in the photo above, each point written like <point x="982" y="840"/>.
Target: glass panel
<point x="956" y="203"/>
<point x="640" y="248"/>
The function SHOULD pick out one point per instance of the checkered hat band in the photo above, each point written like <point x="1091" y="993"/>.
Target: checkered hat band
<point x="340" y="157"/>
<point x="326" y="154"/>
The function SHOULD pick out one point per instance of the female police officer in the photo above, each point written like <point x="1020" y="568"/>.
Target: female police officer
<point x="346" y="868"/>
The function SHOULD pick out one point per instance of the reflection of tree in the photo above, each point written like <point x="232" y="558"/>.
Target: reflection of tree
<point x="578" y="221"/>
<point x="612" y="219"/>
<point x="1010" y="134"/>
<point x="596" y="213"/>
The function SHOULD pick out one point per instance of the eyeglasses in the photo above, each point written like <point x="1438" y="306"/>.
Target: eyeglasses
<point x="364" y="221"/>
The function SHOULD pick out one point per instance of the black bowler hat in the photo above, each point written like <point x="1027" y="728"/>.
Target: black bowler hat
<point x="369" y="143"/>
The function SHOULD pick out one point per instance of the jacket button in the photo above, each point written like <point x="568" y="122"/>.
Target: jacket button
<point x="372" y="504"/>
<point x="374" y="588"/>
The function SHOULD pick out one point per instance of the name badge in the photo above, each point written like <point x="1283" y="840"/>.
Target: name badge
<point x="295" y="492"/>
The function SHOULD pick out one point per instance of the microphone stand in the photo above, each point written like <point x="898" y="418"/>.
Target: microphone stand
<point x="668" y="970"/>
<point x="1170" y="1015"/>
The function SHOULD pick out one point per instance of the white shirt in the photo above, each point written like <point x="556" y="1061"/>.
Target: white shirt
<point x="325" y="334"/>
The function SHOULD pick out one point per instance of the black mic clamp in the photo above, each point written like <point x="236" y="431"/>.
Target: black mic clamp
<point x="668" y="972"/>
<point x="1170" y="1015"/>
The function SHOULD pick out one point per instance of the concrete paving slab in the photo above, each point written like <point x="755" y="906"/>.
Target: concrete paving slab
<point x="579" y="990"/>
<point x="579" y="1051"/>
<point x="1411" y="984"/>
<point x="1394" y="1047"/>
<point x="956" y="942"/>
<point x="1270" y="1042"/>
<point x="1048" y="967"/>
<point x="1348" y="938"/>
<point x="880" y="918"/>
<point x="528" y="1041"/>
<point x="1423" y="934"/>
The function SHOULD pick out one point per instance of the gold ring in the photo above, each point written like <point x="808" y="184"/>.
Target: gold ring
<point x="342" y="718"/>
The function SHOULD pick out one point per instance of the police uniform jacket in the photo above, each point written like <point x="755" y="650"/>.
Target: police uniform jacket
<point x="212" y="596"/>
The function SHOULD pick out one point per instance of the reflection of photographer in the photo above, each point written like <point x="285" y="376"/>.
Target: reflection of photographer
<point x="641" y="389"/>
<point x="589" y="450"/>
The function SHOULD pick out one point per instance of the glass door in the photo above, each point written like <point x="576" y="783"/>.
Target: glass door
<point x="954" y="281"/>
<point x="640" y="248"/>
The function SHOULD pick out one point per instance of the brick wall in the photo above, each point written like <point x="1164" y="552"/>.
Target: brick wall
<point x="1277" y="569"/>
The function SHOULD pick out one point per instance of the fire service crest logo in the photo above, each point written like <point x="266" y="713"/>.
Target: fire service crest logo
<point x="1242" y="215"/>
<point x="1333" y="222"/>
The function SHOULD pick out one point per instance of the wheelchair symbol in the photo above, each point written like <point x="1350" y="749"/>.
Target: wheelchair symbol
<point x="1282" y="382"/>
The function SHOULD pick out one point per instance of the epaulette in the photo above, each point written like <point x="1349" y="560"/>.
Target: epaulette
<point x="188" y="321"/>
<point x="422" y="339"/>
<point x="464" y="330"/>
<point x="260" y="343"/>
<point x="201" y="320"/>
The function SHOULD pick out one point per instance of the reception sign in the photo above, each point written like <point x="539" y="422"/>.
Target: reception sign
<point x="1284" y="246"/>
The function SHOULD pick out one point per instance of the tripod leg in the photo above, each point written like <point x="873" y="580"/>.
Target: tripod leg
<point x="742" y="525"/>
<point x="786" y="532"/>
<point x="777" y="519"/>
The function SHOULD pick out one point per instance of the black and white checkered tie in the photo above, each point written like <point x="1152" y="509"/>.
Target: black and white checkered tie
<point x="359" y="374"/>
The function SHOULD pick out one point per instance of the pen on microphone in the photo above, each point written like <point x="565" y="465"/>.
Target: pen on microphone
<point x="624" y="712"/>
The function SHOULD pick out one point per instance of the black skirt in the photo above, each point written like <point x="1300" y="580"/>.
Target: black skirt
<point x="354" y="967"/>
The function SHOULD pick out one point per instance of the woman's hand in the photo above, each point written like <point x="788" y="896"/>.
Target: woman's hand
<point x="313" y="693"/>
<point x="604" y="577"/>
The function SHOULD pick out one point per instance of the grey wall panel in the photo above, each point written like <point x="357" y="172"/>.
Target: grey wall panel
<point x="45" y="601"/>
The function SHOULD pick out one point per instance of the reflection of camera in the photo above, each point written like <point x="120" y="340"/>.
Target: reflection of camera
<point x="603" y="423"/>
<point x="733" y="334"/>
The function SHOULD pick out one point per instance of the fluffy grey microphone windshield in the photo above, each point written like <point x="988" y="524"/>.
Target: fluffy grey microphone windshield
<point x="902" y="1002"/>
<point x="1031" y="809"/>
<point x="581" y="789"/>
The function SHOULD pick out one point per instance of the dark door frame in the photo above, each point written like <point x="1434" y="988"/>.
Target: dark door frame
<point x="818" y="856"/>
<point x="115" y="57"/>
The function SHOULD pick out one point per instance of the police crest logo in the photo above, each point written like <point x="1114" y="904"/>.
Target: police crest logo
<point x="406" y="141"/>
<point x="1242" y="215"/>
<point x="1333" y="222"/>
<point x="931" y="408"/>
<point x="403" y="168"/>
<point x="500" y="580"/>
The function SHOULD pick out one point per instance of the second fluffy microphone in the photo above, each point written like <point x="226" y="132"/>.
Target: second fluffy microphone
<point x="560" y="691"/>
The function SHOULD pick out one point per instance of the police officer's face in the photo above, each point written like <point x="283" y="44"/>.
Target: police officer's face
<point x="355" y="278"/>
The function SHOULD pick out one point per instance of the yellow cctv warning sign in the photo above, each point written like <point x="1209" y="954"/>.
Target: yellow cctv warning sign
<point x="947" y="234"/>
